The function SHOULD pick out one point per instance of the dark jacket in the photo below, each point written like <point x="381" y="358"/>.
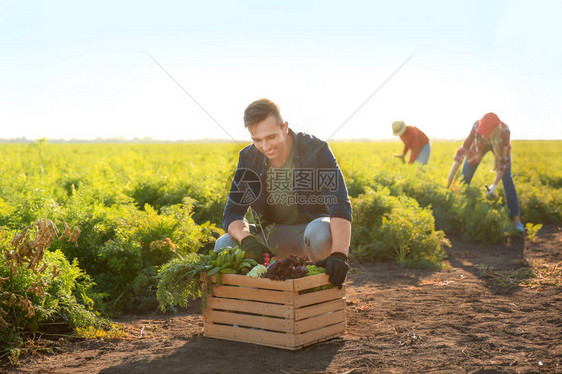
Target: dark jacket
<point x="312" y="157"/>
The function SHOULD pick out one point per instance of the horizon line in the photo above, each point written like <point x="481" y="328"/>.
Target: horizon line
<point x="148" y="140"/>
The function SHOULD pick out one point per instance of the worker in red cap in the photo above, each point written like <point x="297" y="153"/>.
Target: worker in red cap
<point x="489" y="134"/>
<point x="414" y="140"/>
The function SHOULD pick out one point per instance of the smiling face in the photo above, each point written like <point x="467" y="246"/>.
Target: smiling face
<point x="272" y="139"/>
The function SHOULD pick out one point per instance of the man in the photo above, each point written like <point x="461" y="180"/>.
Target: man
<point x="414" y="140"/>
<point x="489" y="134"/>
<point x="291" y="180"/>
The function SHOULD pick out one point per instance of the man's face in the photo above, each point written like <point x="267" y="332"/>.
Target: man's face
<point x="270" y="137"/>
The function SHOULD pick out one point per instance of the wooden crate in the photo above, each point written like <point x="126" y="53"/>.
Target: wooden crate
<point x="274" y="313"/>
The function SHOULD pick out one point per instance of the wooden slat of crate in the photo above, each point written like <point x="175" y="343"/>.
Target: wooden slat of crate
<point x="315" y="323"/>
<point x="319" y="296"/>
<point x="242" y="280"/>
<point x="254" y="307"/>
<point x="311" y="337"/>
<point x="312" y="281"/>
<point x="246" y="293"/>
<point x="314" y="310"/>
<point x="273" y="339"/>
<point x="269" y="323"/>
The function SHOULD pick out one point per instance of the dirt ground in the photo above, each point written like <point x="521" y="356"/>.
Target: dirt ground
<point x="472" y="317"/>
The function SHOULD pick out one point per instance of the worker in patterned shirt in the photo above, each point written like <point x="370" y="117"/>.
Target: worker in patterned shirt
<point x="414" y="141"/>
<point x="489" y="134"/>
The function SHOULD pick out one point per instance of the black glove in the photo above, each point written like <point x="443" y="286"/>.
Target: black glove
<point x="253" y="248"/>
<point x="336" y="267"/>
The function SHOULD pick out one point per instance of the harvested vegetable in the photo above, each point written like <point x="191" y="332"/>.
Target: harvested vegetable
<point x="257" y="271"/>
<point x="180" y="279"/>
<point x="291" y="267"/>
<point x="313" y="270"/>
<point x="229" y="260"/>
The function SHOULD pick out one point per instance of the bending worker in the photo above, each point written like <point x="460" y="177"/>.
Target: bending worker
<point x="414" y="140"/>
<point x="294" y="184"/>
<point x="489" y="134"/>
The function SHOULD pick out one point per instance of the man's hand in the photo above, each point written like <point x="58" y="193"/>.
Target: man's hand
<point x="336" y="267"/>
<point x="491" y="191"/>
<point x="253" y="248"/>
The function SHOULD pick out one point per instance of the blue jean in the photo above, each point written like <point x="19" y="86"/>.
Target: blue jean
<point x="312" y="239"/>
<point x="423" y="155"/>
<point x="507" y="180"/>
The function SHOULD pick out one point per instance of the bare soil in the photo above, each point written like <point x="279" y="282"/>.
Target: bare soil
<point x="475" y="316"/>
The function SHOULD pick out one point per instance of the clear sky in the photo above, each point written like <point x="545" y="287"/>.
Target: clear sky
<point x="81" y="70"/>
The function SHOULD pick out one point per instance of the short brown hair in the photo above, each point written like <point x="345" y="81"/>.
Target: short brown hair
<point x="259" y="110"/>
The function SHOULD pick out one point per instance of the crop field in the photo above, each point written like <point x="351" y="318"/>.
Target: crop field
<point x="136" y="207"/>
